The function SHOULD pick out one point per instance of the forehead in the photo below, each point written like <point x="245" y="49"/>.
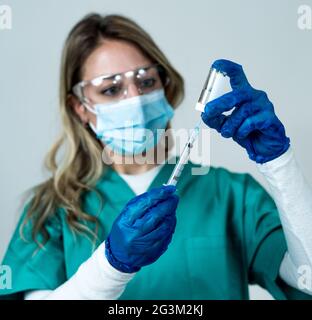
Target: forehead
<point x="113" y="56"/>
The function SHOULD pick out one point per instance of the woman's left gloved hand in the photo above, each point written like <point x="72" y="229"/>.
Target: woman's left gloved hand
<point x="253" y="123"/>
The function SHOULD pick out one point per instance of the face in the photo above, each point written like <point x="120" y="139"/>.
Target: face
<point x="110" y="57"/>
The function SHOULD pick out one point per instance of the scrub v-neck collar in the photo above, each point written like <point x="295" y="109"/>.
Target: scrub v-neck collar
<point x="117" y="191"/>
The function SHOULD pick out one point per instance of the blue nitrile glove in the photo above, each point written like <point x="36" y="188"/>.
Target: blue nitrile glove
<point x="253" y="123"/>
<point x="143" y="230"/>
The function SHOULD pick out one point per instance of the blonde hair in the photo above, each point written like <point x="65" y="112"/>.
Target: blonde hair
<point x="82" y="164"/>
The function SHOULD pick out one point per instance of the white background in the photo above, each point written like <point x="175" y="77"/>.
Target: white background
<point x="263" y="36"/>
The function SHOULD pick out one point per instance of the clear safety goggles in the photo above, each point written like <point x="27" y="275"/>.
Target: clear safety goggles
<point x="110" y="88"/>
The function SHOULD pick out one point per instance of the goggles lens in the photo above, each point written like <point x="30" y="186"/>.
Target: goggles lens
<point x="105" y="89"/>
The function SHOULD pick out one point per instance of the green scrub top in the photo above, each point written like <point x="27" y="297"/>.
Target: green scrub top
<point x="228" y="235"/>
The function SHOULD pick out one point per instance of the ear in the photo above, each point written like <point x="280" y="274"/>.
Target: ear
<point x="74" y="103"/>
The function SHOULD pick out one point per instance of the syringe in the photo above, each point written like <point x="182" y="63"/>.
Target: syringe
<point x="184" y="156"/>
<point x="217" y="83"/>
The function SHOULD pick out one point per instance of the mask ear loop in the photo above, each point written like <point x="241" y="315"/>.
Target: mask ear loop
<point x="78" y="92"/>
<point x="85" y="102"/>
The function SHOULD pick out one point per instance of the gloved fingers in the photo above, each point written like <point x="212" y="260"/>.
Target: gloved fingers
<point x="166" y="227"/>
<point x="146" y="247"/>
<point x="238" y="116"/>
<point x="161" y="246"/>
<point x="215" y="122"/>
<point x="213" y="117"/>
<point x="156" y="249"/>
<point x="235" y="72"/>
<point x="138" y="206"/>
<point x="157" y="214"/>
<point x="260" y="121"/>
<point x="226" y="103"/>
<point x="147" y="243"/>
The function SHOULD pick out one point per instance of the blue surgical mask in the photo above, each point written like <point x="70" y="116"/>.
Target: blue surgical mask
<point x="131" y="126"/>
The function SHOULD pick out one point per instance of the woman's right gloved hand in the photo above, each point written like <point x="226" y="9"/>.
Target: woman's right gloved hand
<point x="143" y="230"/>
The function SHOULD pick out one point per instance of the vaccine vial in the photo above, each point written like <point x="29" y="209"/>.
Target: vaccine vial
<point x="217" y="84"/>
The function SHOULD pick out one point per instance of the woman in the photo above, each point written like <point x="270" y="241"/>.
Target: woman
<point x="92" y="232"/>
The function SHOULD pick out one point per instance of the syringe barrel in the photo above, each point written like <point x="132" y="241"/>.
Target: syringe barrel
<point x="175" y="175"/>
<point x="184" y="157"/>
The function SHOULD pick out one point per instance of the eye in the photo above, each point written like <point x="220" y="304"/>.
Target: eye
<point x="111" y="91"/>
<point x="148" y="83"/>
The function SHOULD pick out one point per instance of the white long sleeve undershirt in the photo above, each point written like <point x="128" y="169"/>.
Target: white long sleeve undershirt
<point x="293" y="197"/>
<point x="97" y="279"/>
